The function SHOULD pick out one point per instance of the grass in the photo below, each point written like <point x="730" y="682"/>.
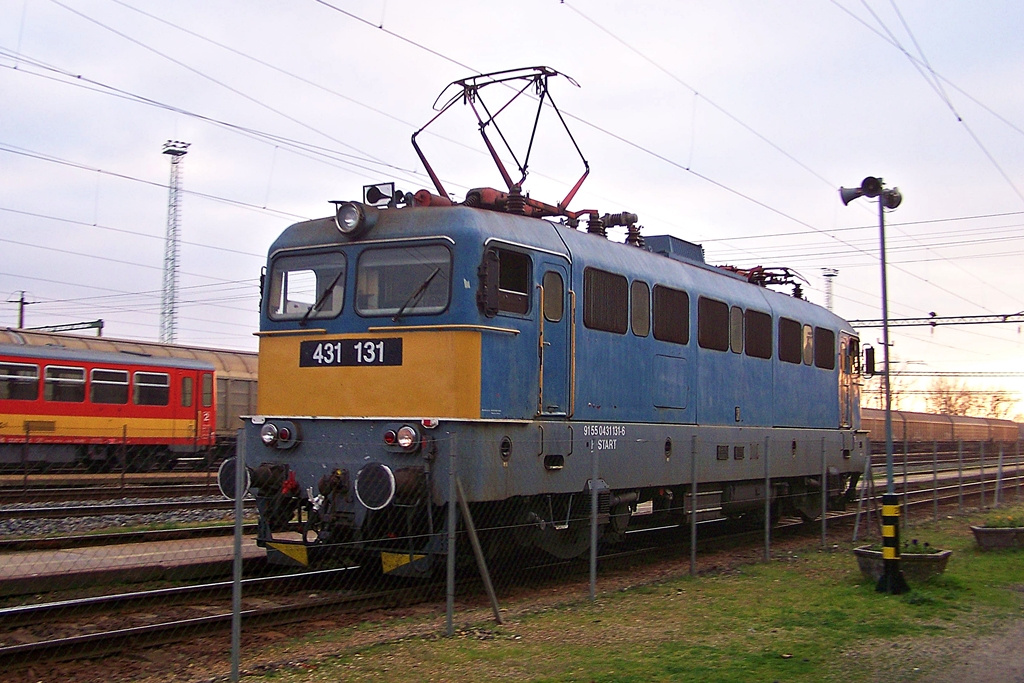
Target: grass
<point x="807" y="616"/>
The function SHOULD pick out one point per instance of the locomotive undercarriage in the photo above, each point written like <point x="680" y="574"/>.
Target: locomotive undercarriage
<point x="409" y="536"/>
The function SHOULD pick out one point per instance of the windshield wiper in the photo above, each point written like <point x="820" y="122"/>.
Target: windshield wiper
<point x="416" y="295"/>
<point x="323" y="297"/>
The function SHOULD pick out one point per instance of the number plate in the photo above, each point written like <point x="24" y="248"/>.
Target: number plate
<point x="316" y="354"/>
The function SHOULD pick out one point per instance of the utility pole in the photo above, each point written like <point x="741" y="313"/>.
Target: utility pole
<point x="22" y="303"/>
<point x="168" y="311"/>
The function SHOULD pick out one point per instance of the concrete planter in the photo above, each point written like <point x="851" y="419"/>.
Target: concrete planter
<point x="915" y="566"/>
<point x="995" y="538"/>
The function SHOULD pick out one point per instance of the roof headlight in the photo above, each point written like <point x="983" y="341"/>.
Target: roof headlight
<point x="353" y="218"/>
<point x="407" y="438"/>
<point x="269" y="434"/>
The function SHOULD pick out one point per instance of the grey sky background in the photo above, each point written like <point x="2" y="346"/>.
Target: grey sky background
<point x="730" y="124"/>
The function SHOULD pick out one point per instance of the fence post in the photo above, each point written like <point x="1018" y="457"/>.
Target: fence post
<point x="865" y="487"/>
<point x="981" y="475"/>
<point x="693" y="505"/>
<point x="999" y="478"/>
<point x="767" y="501"/>
<point x="906" y="482"/>
<point x="935" y="479"/>
<point x="593" y="521"/>
<point x="960" y="476"/>
<point x="1016" y="478"/>
<point x="450" y="569"/>
<point x="236" y="583"/>
<point x="824" y="495"/>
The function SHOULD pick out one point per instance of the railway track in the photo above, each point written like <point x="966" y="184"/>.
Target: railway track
<point x="170" y="614"/>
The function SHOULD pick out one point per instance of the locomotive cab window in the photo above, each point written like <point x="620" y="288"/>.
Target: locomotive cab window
<point x="108" y="386"/>
<point x="152" y="388"/>
<point x="306" y="286"/>
<point x="19" y="381"/>
<point x="605" y="301"/>
<point x="671" y="315"/>
<point x="712" y="324"/>
<point x="64" y="384"/>
<point x="400" y="281"/>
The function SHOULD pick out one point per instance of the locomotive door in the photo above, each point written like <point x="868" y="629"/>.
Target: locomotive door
<point x="849" y="389"/>
<point x="554" y="337"/>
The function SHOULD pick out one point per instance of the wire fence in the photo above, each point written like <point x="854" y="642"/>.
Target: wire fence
<point x="426" y="536"/>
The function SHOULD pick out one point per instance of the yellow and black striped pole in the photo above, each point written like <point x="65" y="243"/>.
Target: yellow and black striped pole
<point x="892" y="580"/>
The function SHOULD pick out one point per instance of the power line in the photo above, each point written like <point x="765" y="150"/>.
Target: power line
<point x="935" y="320"/>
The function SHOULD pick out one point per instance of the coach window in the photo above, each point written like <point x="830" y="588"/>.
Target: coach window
<point x="152" y="388"/>
<point x="108" y="386"/>
<point x="207" y="389"/>
<point x="554" y="296"/>
<point x="19" y="381"/>
<point x="640" y="308"/>
<point x="712" y="324"/>
<point x="807" y="344"/>
<point x="789" y="340"/>
<point x="736" y="329"/>
<point x="64" y="384"/>
<point x="757" y="334"/>
<point x="400" y="281"/>
<point x="605" y="301"/>
<point x="306" y="286"/>
<point x="824" y="348"/>
<point x="187" y="391"/>
<point x="671" y="315"/>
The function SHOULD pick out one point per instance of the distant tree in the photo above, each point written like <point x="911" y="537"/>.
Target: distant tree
<point x="949" y="397"/>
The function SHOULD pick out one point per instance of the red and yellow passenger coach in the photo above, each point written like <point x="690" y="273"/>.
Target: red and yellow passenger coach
<point x="61" y="405"/>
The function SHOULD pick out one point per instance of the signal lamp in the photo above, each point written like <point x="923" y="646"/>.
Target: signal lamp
<point x="269" y="434"/>
<point x="389" y="437"/>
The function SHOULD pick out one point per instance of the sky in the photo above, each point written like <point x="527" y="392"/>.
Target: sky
<point x="727" y="123"/>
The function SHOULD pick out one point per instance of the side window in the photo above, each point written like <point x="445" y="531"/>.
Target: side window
<point x="789" y="340"/>
<point x="187" y="390"/>
<point x="605" y="301"/>
<point x="19" y="381"/>
<point x="554" y="297"/>
<point x="108" y="386"/>
<point x="152" y="388"/>
<point x="207" y="389"/>
<point x="671" y="315"/>
<point x="640" y="308"/>
<point x="758" y="334"/>
<point x="712" y="324"/>
<point x="807" y="344"/>
<point x="736" y="329"/>
<point x="306" y="286"/>
<point x="824" y="348"/>
<point x="64" y="384"/>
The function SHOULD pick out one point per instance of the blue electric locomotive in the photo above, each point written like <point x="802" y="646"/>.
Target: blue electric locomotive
<point x="396" y="340"/>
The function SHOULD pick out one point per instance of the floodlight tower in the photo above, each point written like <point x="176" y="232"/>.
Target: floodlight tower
<point x="830" y="275"/>
<point x="168" y="311"/>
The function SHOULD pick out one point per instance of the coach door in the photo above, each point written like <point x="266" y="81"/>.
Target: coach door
<point x="554" y="338"/>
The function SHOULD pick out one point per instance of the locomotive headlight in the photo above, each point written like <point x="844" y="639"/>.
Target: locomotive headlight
<point x="269" y="434"/>
<point x="353" y="219"/>
<point x="407" y="438"/>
